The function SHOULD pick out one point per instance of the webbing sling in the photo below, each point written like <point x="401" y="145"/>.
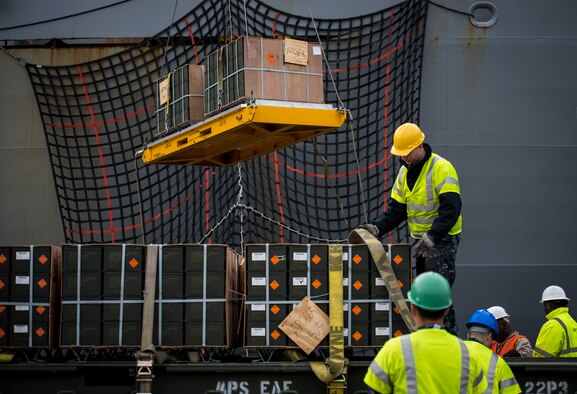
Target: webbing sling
<point x="359" y="236"/>
<point x="328" y="373"/>
<point x="146" y="354"/>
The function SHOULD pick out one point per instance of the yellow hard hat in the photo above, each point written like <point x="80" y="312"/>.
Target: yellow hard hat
<point x="407" y="137"/>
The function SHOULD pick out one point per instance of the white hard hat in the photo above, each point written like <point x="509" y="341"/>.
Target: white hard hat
<point x="552" y="293"/>
<point x="499" y="312"/>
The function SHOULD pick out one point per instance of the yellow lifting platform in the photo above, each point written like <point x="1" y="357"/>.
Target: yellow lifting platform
<point x="244" y="132"/>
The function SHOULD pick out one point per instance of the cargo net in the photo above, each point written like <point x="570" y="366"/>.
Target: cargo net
<point x="98" y="115"/>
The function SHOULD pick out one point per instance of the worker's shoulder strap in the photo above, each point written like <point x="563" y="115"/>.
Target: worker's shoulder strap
<point x="359" y="236"/>
<point x="568" y="348"/>
<point x="564" y="326"/>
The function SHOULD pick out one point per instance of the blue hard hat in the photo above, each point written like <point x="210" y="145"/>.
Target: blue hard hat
<point x="483" y="317"/>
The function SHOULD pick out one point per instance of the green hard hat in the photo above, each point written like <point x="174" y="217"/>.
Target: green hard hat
<point x="431" y="291"/>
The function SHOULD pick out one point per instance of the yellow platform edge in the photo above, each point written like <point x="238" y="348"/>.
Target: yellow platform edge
<point x="244" y="132"/>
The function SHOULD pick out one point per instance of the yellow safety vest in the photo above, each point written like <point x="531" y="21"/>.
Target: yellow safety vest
<point x="437" y="176"/>
<point x="500" y="378"/>
<point x="558" y="336"/>
<point x="444" y="365"/>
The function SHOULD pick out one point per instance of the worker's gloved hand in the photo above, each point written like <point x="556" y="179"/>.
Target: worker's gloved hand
<point x="425" y="245"/>
<point x="512" y="353"/>
<point x="371" y="228"/>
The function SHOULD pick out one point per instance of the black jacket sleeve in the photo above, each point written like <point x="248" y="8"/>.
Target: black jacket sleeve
<point x="449" y="211"/>
<point x="396" y="213"/>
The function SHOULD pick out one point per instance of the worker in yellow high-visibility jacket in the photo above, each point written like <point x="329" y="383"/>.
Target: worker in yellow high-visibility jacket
<point x="427" y="195"/>
<point x="429" y="360"/>
<point x="483" y="329"/>
<point x="558" y="336"/>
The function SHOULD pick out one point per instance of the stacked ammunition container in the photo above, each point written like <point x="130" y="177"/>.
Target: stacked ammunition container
<point x="264" y="68"/>
<point x="28" y="289"/>
<point x="102" y="289"/>
<point x="279" y="276"/>
<point x="102" y="295"/>
<point x="179" y="98"/>
<point x="196" y="293"/>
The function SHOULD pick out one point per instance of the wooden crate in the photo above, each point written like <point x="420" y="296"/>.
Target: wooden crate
<point x="179" y="98"/>
<point x="261" y="68"/>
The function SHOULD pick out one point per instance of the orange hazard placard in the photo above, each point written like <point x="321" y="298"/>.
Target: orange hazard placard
<point x="133" y="263"/>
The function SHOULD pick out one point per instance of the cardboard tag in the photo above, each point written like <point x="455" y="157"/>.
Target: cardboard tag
<point x="307" y="325"/>
<point x="296" y="52"/>
<point x="163" y="91"/>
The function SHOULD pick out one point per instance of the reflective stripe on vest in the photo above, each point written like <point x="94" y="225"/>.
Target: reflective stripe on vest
<point x="569" y="349"/>
<point x="396" y="189"/>
<point x="465" y="359"/>
<point x="543" y="352"/>
<point x="410" y="372"/>
<point x="430" y="205"/>
<point x="491" y="372"/>
<point x="503" y="384"/>
<point x="429" y="210"/>
<point x="448" y="180"/>
<point x="380" y="373"/>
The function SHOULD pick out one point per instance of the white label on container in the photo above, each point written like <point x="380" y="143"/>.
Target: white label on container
<point x="258" y="256"/>
<point x="345" y="281"/>
<point x="382" y="331"/>
<point x="22" y="308"/>
<point x="382" y="306"/>
<point x="345" y="307"/>
<point x="22" y="255"/>
<point x="22" y="280"/>
<point x="300" y="281"/>
<point x="379" y="282"/>
<point x="258" y="281"/>
<point x="258" y="307"/>
<point x="20" y="329"/>
<point x="345" y="332"/>
<point x="300" y="256"/>
<point x="258" y="332"/>
<point x="345" y="256"/>
<point x="316" y="50"/>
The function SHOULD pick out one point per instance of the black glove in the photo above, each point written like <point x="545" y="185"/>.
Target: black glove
<point x="512" y="353"/>
<point x="371" y="228"/>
